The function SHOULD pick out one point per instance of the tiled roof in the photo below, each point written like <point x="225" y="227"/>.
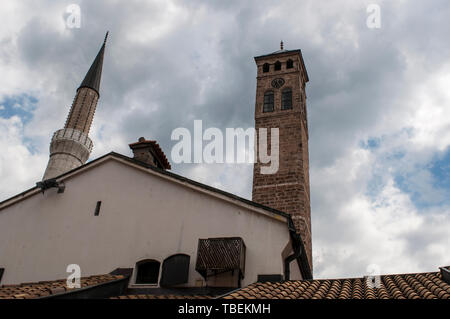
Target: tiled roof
<point x="46" y="288"/>
<point x="407" y="286"/>
<point x="163" y="297"/>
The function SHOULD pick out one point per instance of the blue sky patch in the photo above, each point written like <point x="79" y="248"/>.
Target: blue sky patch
<point x="20" y="105"/>
<point x="371" y="143"/>
<point x="437" y="192"/>
<point x="440" y="169"/>
<point x="427" y="185"/>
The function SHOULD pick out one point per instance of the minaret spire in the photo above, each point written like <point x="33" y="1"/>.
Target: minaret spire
<point x="70" y="147"/>
<point x="94" y="75"/>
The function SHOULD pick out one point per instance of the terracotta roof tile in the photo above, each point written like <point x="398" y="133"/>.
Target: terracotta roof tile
<point x="47" y="288"/>
<point x="405" y="286"/>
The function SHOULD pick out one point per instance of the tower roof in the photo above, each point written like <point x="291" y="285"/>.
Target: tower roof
<point x="284" y="52"/>
<point x="93" y="76"/>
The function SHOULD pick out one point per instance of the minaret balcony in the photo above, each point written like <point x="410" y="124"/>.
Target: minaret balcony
<point x="74" y="135"/>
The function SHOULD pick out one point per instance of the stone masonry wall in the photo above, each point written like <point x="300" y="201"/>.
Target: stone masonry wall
<point x="287" y="190"/>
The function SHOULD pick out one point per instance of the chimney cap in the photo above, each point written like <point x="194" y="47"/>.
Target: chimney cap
<point x="152" y="145"/>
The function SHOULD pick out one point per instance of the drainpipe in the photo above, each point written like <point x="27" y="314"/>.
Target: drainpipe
<point x="298" y="248"/>
<point x="287" y="261"/>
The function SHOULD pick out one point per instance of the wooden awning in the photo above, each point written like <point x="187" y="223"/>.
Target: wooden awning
<point x="218" y="255"/>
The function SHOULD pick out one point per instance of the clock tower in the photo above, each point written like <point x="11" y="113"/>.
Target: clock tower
<point x="281" y="103"/>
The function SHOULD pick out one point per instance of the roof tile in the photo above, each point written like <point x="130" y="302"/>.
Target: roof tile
<point x="406" y="286"/>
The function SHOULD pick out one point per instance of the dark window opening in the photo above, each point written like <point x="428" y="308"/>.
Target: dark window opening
<point x="147" y="272"/>
<point x="97" y="208"/>
<point x="289" y="64"/>
<point x="268" y="102"/>
<point x="175" y="270"/>
<point x="266" y="67"/>
<point x="286" y="99"/>
<point x="277" y="66"/>
<point x="2" y="270"/>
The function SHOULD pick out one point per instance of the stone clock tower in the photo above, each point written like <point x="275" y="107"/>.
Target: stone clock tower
<point x="281" y="103"/>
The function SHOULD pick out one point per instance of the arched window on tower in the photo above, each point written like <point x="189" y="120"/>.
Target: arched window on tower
<point x="266" y="67"/>
<point x="147" y="271"/>
<point x="268" y="102"/>
<point x="286" y="99"/>
<point x="289" y="64"/>
<point x="277" y="66"/>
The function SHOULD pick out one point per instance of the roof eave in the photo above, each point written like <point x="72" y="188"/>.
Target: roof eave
<point x="282" y="216"/>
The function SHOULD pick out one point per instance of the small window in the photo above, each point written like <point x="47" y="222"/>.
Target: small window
<point x="268" y="102"/>
<point x="97" y="208"/>
<point x="2" y="270"/>
<point x="147" y="272"/>
<point x="277" y="66"/>
<point x="175" y="270"/>
<point x="289" y="64"/>
<point x="286" y="99"/>
<point x="266" y="67"/>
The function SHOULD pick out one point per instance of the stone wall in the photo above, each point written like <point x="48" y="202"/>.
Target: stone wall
<point x="288" y="189"/>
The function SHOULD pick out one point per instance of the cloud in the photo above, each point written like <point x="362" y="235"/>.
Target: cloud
<point x="377" y="105"/>
<point x="19" y="167"/>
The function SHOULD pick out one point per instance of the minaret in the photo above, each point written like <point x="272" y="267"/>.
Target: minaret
<point x="70" y="147"/>
<point x="281" y="103"/>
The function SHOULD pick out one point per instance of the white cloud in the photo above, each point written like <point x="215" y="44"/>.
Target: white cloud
<point x="19" y="168"/>
<point x="352" y="230"/>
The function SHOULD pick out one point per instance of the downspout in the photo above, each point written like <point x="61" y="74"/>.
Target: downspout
<point x="297" y="246"/>
<point x="287" y="262"/>
<point x="297" y="251"/>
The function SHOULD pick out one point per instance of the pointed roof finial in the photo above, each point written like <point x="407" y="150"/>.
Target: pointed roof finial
<point x="106" y="37"/>
<point x="94" y="75"/>
<point x="281" y="45"/>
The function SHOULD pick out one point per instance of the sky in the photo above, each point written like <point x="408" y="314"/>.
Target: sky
<point x="378" y="104"/>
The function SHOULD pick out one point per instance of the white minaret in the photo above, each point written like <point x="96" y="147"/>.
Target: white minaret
<point x="70" y="147"/>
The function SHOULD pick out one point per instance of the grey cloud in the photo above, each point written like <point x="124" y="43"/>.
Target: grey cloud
<point x="203" y="68"/>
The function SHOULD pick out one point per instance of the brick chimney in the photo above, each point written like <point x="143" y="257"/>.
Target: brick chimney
<point x="150" y="153"/>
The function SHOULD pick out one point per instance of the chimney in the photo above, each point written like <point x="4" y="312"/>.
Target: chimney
<point x="149" y="152"/>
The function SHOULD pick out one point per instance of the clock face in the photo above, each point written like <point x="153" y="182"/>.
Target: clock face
<point x="277" y="83"/>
